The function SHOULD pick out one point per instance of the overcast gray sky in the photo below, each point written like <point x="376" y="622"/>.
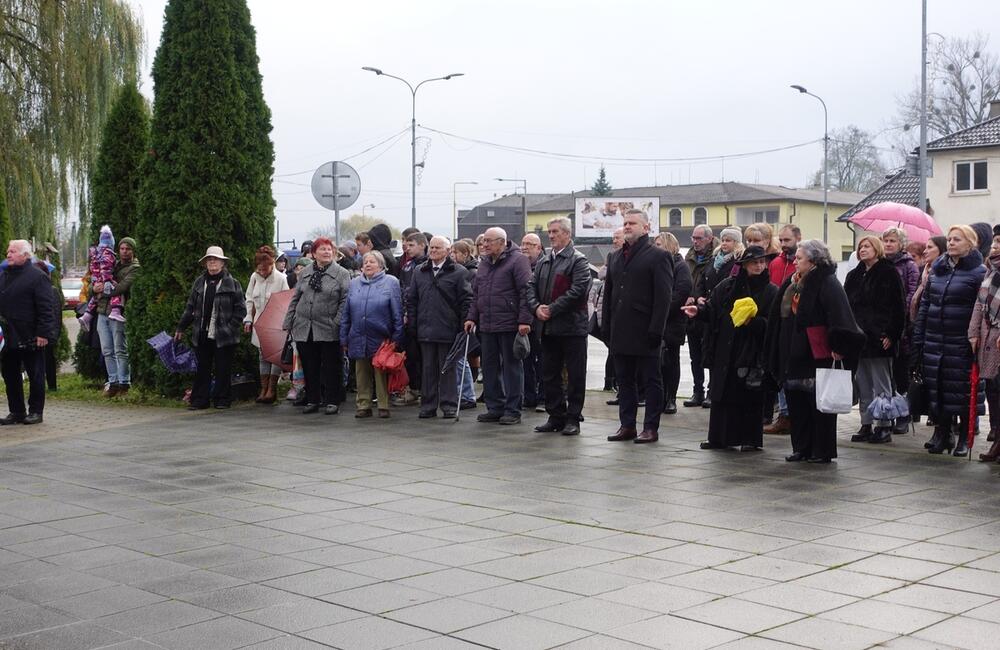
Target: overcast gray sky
<point x="621" y="79"/>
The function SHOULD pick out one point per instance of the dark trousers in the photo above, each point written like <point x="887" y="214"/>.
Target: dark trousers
<point x="51" y="366"/>
<point x="609" y="371"/>
<point x="210" y="355"/>
<point x="437" y="388"/>
<point x="323" y="367"/>
<point x="413" y="363"/>
<point x="993" y="401"/>
<point x="564" y="403"/>
<point x="33" y="362"/>
<point x="637" y="373"/>
<point x="503" y="375"/>
<point x="670" y="368"/>
<point x="814" y="434"/>
<point x="697" y="358"/>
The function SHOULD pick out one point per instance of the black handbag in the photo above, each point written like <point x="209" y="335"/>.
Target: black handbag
<point x="288" y="352"/>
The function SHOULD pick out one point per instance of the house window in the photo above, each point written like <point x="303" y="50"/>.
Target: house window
<point x="970" y="176"/>
<point x="491" y="213"/>
<point x="675" y="217"/>
<point x="757" y="214"/>
<point x="700" y="216"/>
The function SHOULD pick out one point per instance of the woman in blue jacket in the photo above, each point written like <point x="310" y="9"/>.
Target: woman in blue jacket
<point x="940" y="337"/>
<point x="373" y="313"/>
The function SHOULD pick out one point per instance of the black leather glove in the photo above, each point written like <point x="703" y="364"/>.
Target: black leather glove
<point x="653" y="340"/>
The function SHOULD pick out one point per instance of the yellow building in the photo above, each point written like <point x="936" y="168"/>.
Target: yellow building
<point x="725" y="204"/>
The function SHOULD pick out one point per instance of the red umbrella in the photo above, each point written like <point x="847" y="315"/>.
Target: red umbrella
<point x="973" y="398"/>
<point x="918" y="225"/>
<point x="270" y="334"/>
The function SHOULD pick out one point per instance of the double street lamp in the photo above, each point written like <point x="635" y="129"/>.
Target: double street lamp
<point x="826" y="158"/>
<point x="413" y="131"/>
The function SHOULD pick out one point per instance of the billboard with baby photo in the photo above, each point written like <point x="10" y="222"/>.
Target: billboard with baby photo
<point x="600" y="216"/>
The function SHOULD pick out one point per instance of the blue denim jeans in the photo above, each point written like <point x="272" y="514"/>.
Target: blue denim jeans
<point x="465" y="372"/>
<point x="114" y="350"/>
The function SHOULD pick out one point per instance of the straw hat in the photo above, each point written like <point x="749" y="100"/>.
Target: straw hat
<point x="213" y="251"/>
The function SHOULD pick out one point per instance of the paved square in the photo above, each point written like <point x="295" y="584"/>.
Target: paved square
<point x="264" y="528"/>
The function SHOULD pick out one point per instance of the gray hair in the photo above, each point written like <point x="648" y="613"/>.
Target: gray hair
<point x="497" y="232"/>
<point x="707" y="230"/>
<point x="638" y="212"/>
<point x="447" y="242"/>
<point x="898" y="233"/>
<point x="733" y="233"/>
<point x="22" y="246"/>
<point x="562" y="222"/>
<point x="816" y="252"/>
<point x="377" y="256"/>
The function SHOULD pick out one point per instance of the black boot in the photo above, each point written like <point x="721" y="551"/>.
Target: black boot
<point x="696" y="400"/>
<point x="935" y="439"/>
<point x="901" y="426"/>
<point x="881" y="435"/>
<point x="670" y="405"/>
<point x="961" y="450"/>
<point x="946" y="442"/>
<point x="864" y="434"/>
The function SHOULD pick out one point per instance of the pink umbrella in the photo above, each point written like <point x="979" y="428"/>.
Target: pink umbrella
<point x="918" y="225"/>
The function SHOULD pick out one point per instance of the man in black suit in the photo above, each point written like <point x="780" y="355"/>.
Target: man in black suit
<point x="636" y="298"/>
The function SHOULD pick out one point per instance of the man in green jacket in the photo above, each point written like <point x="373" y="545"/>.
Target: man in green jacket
<point x="110" y="330"/>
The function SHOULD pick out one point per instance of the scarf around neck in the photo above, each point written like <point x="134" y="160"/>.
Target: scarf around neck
<point x="316" y="279"/>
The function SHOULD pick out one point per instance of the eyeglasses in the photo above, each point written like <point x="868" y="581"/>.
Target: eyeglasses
<point x="490" y="240"/>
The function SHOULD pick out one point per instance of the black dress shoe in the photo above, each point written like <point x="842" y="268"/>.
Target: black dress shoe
<point x="510" y="419"/>
<point x="423" y="415"/>
<point x="311" y="408"/>
<point x="549" y="427"/>
<point x="696" y="400"/>
<point x="12" y="419"/>
<point x="467" y="405"/>
<point x="881" y="435"/>
<point x="32" y="418"/>
<point x="670" y="407"/>
<point x="624" y="433"/>
<point x="711" y="445"/>
<point x="571" y="429"/>
<point x="818" y="461"/>
<point x="796" y="457"/>
<point x="449" y="415"/>
<point x="612" y="402"/>
<point x="488" y="417"/>
<point x="707" y="404"/>
<point x="749" y="448"/>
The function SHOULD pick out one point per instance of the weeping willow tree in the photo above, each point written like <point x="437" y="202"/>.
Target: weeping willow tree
<point x="61" y="65"/>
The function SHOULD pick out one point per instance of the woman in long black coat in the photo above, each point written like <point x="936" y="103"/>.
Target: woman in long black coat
<point x="811" y="325"/>
<point x="877" y="298"/>
<point x="940" y="337"/>
<point x="737" y="358"/>
<point x="673" y="333"/>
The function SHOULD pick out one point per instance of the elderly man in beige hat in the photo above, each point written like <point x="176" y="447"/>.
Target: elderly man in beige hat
<point x="215" y="311"/>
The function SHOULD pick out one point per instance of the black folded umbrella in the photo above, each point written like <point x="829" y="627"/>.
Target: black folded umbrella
<point x="464" y="345"/>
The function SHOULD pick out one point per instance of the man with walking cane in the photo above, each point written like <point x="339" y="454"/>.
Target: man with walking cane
<point x="435" y="303"/>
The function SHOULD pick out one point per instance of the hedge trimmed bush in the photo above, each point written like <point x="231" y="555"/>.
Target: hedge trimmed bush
<point x="207" y="178"/>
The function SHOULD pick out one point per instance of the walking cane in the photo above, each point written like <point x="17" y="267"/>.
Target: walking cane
<point x="461" y="381"/>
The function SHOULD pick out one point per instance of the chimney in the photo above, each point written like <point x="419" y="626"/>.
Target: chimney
<point x="994" y="109"/>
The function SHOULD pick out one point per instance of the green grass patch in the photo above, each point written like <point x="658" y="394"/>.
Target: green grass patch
<point x="74" y="388"/>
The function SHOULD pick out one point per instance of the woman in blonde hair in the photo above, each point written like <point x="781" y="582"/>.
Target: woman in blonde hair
<point x="940" y="337"/>
<point x="673" y="333"/>
<point x="264" y="282"/>
<point x="762" y="234"/>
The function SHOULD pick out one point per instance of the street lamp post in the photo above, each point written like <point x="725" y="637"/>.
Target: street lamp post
<point x="524" y="197"/>
<point x="370" y="205"/>
<point x="922" y="154"/>
<point x="413" y="131"/>
<point x="454" y="204"/>
<point x="826" y="159"/>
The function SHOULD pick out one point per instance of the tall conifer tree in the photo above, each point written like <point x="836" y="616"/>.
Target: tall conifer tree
<point x="207" y="179"/>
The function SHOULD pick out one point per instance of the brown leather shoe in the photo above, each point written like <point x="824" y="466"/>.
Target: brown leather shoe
<point x="991" y="455"/>
<point x="383" y="413"/>
<point x="647" y="435"/>
<point x="624" y="433"/>
<point x="781" y="426"/>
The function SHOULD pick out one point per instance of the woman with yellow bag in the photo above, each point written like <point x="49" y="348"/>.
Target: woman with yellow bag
<point x="736" y="316"/>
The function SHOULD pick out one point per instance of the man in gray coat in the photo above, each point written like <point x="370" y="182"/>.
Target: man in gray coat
<point x="557" y="295"/>
<point x="437" y="300"/>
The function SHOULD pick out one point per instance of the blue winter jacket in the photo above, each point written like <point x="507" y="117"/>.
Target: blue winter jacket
<point x="373" y="313"/>
<point x="941" y="333"/>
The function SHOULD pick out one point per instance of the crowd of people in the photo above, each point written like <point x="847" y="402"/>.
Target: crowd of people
<point x="760" y="311"/>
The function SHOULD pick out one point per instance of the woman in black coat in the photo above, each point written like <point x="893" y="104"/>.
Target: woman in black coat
<point x="811" y="325"/>
<point x="878" y="300"/>
<point x="737" y="367"/>
<point x="673" y="333"/>
<point x="940" y="337"/>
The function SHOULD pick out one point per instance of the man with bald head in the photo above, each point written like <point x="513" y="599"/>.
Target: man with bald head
<point x="436" y="304"/>
<point x="500" y="312"/>
<point x="28" y="316"/>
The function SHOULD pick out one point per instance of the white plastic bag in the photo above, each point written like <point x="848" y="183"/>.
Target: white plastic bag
<point x="834" y="390"/>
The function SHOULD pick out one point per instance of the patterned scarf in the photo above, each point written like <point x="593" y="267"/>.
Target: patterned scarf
<point x="316" y="279"/>
<point x="790" y="301"/>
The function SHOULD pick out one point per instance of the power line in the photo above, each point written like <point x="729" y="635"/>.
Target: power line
<point x="374" y="146"/>
<point x="597" y="158"/>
